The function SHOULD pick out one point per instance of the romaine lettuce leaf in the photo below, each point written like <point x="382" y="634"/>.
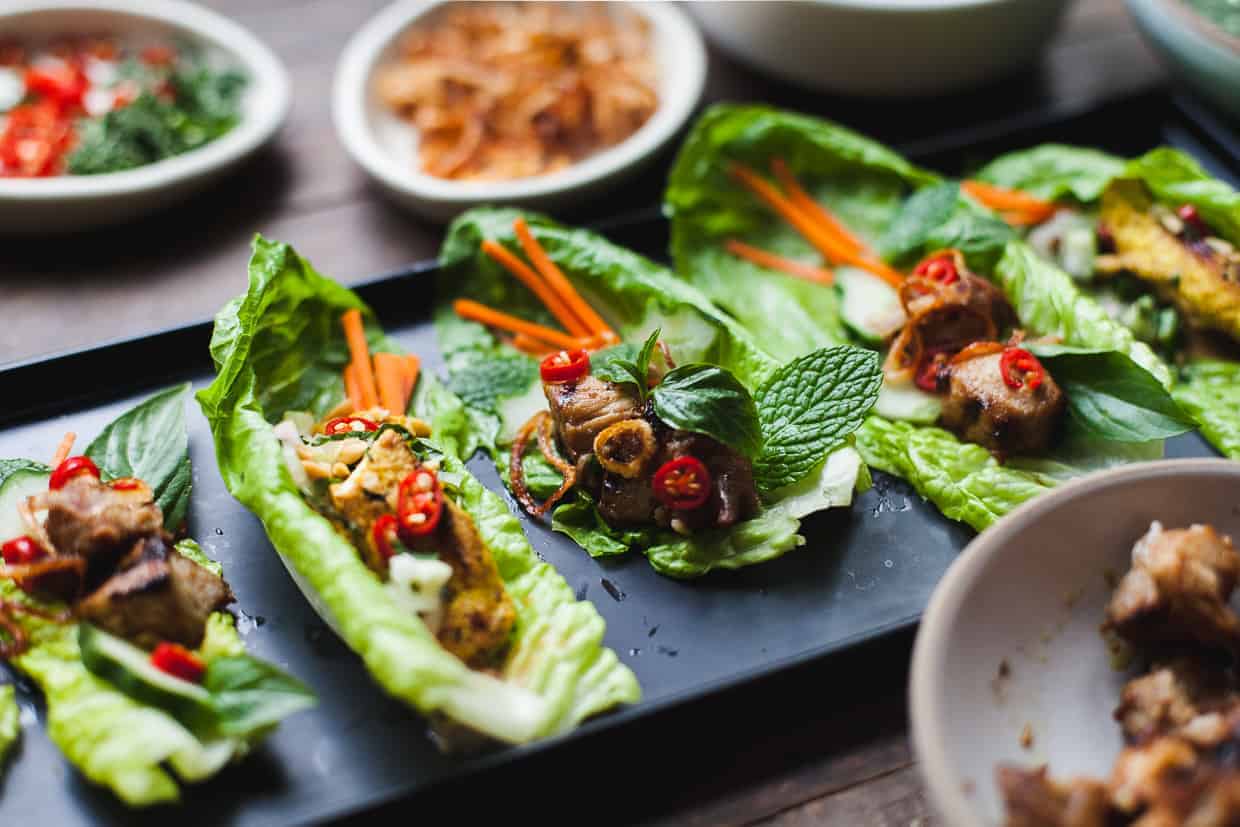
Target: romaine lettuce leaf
<point x="863" y="182"/>
<point x="280" y="347"/>
<point x="10" y="721"/>
<point x="1176" y="178"/>
<point x="1210" y="391"/>
<point x="1054" y="172"/>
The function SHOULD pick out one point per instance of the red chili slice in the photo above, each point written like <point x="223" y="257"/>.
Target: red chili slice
<point x="933" y="369"/>
<point x="1021" y="369"/>
<point x="179" y="662"/>
<point x="127" y="484"/>
<point x="565" y="366"/>
<point x="419" y="503"/>
<point x="69" y="469"/>
<point x="349" y="425"/>
<point x="383" y="532"/>
<point x="1192" y="218"/>
<point x="940" y="269"/>
<point x="682" y="484"/>
<point x="22" y="550"/>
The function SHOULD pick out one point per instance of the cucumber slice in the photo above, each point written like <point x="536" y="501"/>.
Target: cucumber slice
<point x="871" y="308"/>
<point x="17" y="486"/>
<point x="129" y="669"/>
<point x="907" y="403"/>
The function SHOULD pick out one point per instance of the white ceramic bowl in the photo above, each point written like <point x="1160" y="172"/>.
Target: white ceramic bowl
<point x="883" y="48"/>
<point x="386" y="146"/>
<point x="1031" y="592"/>
<point x="67" y="203"/>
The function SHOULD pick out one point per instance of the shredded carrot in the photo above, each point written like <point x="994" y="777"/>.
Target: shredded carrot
<point x="472" y="310"/>
<point x="63" y="449"/>
<point x="412" y="367"/>
<point x="549" y="297"/>
<point x="828" y="245"/>
<point x="556" y="279"/>
<point x="770" y="261"/>
<point x="1025" y="218"/>
<point x="802" y="199"/>
<point x="352" y="387"/>
<point x="531" y="346"/>
<point x="390" y="377"/>
<point x="359" y="352"/>
<point x="1005" y="201"/>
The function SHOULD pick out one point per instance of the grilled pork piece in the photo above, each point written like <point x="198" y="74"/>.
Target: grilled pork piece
<point x="581" y="410"/>
<point x="86" y="518"/>
<point x="734" y="496"/>
<point x="59" y="578"/>
<point x="967" y="310"/>
<point x="1177" y="590"/>
<point x="1172" y="696"/>
<point x="478" y="614"/>
<point x="156" y="595"/>
<point x="1201" y="277"/>
<point x="981" y="408"/>
<point x="1034" y="800"/>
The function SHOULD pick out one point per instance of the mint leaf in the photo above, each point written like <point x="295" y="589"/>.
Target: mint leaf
<point x="1112" y="397"/>
<point x="489" y="377"/>
<point x="709" y="400"/>
<point x="149" y="442"/>
<point x="808" y="406"/>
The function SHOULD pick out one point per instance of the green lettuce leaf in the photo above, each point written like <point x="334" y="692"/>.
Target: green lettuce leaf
<point x="557" y="671"/>
<point x="1210" y="391"/>
<point x="862" y="182"/>
<point x="149" y="442"/>
<point x="1054" y="172"/>
<point x="1176" y="178"/>
<point x="10" y="721"/>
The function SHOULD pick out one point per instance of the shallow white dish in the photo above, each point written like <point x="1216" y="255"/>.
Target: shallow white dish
<point x="1031" y="592"/>
<point x="883" y="48"/>
<point x="68" y="203"/>
<point x="385" y="146"/>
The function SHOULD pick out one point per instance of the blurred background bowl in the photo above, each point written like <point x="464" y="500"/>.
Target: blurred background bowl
<point x="1011" y="637"/>
<point x="883" y="48"/>
<point x="385" y="145"/>
<point x="1197" y="50"/>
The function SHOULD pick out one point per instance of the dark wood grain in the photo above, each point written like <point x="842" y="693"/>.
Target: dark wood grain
<point x="850" y="763"/>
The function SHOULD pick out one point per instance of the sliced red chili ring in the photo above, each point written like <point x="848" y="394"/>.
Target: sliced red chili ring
<point x="22" y="550"/>
<point x="69" y="469"/>
<point x="349" y="425"/>
<point x="1021" y="369"/>
<point x="383" y="533"/>
<point x="419" y="503"/>
<point x="940" y="269"/>
<point x="682" y="484"/>
<point x="933" y="369"/>
<point x="1189" y="214"/>
<point x="175" y="660"/>
<point x="127" y="484"/>
<point x="565" y="366"/>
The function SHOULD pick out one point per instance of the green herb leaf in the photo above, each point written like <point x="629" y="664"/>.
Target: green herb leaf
<point x="1112" y="397"/>
<point x="249" y="695"/>
<point x="613" y="367"/>
<point x="939" y="217"/>
<point x="482" y="383"/>
<point x="149" y="442"/>
<point x="709" y="400"/>
<point x="809" y="406"/>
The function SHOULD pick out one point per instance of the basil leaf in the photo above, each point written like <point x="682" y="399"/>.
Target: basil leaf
<point x="647" y="351"/>
<point x="249" y="695"/>
<point x="149" y="442"/>
<point x="1112" y="397"/>
<point x="615" y="365"/>
<point x="709" y="400"/>
<point x="809" y="406"/>
<point x="938" y="218"/>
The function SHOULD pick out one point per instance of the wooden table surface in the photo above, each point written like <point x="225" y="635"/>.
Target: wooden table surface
<point x="834" y="749"/>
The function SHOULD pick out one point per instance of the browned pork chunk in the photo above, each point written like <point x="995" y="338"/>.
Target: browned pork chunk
<point x="982" y="408"/>
<point x="478" y="614"/>
<point x="967" y="310"/>
<point x="1177" y="590"/>
<point x="59" y="578"/>
<point x="734" y="496"/>
<point x="88" y="519"/>
<point x="1171" y="696"/>
<point x="156" y="595"/>
<point x="1034" y="800"/>
<point x="581" y="410"/>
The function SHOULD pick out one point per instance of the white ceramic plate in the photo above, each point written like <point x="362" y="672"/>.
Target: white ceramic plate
<point x="67" y="203"/>
<point x="1031" y="592"/>
<point x="385" y="146"/>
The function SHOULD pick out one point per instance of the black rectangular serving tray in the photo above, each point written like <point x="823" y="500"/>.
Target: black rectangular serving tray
<point x="865" y="573"/>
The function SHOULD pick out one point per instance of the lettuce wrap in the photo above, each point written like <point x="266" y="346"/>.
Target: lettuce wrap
<point x="117" y="737"/>
<point x="902" y="213"/>
<point x="1077" y="178"/>
<point x="280" y="348"/>
<point x="807" y="461"/>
